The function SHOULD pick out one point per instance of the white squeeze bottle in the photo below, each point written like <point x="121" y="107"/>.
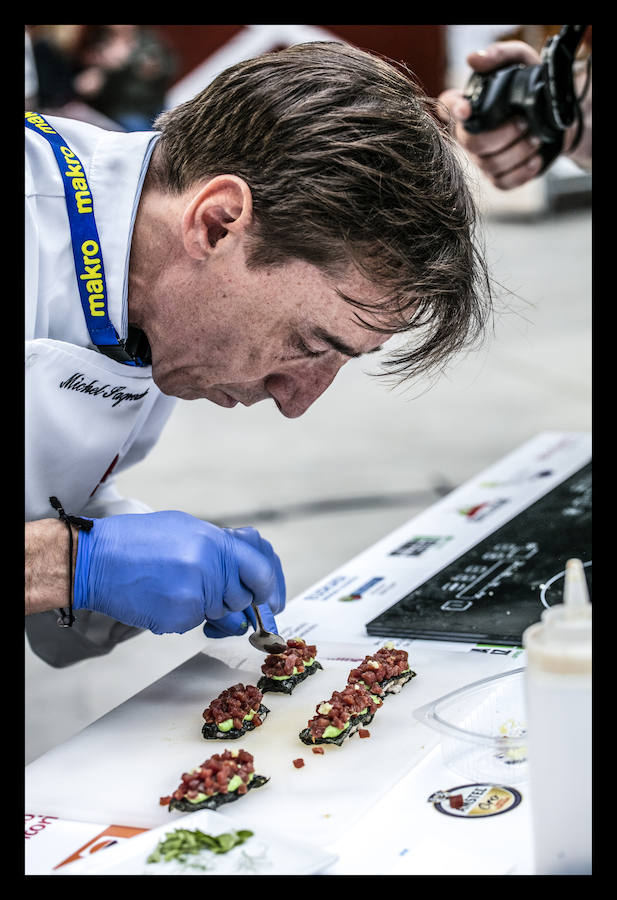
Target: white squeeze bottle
<point x="558" y="700"/>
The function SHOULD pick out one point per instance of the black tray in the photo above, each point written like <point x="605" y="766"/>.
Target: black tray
<point x="494" y="590"/>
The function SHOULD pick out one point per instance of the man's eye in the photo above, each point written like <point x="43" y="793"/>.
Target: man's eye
<point x="305" y="350"/>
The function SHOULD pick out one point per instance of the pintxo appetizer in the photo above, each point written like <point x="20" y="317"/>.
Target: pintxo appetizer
<point x="223" y="778"/>
<point x="235" y="711"/>
<point x="284" y="671"/>
<point x="388" y="668"/>
<point x="338" y="718"/>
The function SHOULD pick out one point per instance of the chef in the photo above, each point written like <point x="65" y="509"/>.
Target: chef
<point x="92" y="409"/>
<point x="153" y="272"/>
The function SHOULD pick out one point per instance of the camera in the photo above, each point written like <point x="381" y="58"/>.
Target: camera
<point x="543" y="95"/>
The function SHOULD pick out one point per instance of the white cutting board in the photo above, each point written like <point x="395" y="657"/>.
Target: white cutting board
<point x="115" y="770"/>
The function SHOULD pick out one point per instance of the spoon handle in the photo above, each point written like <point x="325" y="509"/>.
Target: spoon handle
<point x="258" y="617"/>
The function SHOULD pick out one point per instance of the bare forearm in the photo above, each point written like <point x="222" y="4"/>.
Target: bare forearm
<point x="47" y="565"/>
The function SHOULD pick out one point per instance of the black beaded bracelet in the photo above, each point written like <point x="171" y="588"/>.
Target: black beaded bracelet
<point x="67" y="618"/>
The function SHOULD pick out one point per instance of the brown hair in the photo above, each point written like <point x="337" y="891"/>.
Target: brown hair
<point x="347" y="161"/>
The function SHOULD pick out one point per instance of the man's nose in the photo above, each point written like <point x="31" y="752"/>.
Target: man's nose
<point x="295" y="392"/>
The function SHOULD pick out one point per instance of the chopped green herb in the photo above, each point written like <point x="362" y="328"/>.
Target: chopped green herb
<point x="183" y="842"/>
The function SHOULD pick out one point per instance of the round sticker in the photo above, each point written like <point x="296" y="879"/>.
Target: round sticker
<point x="475" y="801"/>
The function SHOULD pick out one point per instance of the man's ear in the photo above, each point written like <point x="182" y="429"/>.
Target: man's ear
<point x="216" y="215"/>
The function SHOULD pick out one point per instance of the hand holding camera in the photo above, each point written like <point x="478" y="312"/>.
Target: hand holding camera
<point x="518" y="107"/>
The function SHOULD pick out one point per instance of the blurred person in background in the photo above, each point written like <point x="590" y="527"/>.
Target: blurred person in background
<point x="509" y="156"/>
<point x="125" y="73"/>
<point x="31" y="81"/>
<point x="53" y="56"/>
<point x="56" y="50"/>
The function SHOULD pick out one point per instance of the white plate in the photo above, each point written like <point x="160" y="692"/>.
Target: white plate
<point x="265" y="853"/>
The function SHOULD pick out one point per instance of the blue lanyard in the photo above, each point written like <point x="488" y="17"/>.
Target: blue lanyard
<point x="87" y="252"/>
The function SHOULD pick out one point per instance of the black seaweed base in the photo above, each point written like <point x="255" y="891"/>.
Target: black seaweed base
<point x="356" y="722"/>
<point x="215" y="800"/>
<point x="211" y="732"/>
<point x="274" y="686"/>
<point x="393" y="685"/>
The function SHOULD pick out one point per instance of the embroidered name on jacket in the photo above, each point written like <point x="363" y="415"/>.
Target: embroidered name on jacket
<point x="117" y="394"/>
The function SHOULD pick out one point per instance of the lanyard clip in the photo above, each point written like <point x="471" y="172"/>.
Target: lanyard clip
<point x="135" y="350"/>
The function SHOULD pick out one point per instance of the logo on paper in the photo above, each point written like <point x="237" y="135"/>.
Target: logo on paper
<point x="112" y="835"/>
<point x="476" y="801"/>
<point x="521" y="477"/>
<point x="419" y="544"/>
<point x="330" y="587"/>
<point x="480" y="511"/>
<point x="358" y="594"/>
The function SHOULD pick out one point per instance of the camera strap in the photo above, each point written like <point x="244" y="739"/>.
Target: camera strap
<point x="571" y="36"/>
<point x="558" y="67"/>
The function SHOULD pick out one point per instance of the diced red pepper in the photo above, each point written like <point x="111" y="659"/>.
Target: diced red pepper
<point x="298" y="763"/>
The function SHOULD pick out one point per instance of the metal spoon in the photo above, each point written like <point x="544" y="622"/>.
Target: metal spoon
<point x="263" y="640"/>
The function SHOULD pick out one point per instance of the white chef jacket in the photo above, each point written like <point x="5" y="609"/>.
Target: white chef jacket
<point x="85" y="414"/>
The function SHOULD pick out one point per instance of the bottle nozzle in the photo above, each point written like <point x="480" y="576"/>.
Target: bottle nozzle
<point x="575" y="592"/>
<point x="561" y="642"/>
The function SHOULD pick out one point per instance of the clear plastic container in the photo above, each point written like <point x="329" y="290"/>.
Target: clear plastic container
<point x="484" y="728"/>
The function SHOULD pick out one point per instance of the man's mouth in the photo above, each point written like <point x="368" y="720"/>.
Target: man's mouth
<point x="246" y="398"/>
<point x="228" y="400"/>
<point x="221" y="398"/>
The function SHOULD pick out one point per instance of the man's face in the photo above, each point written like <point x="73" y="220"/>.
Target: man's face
<point x="247" y="335"/>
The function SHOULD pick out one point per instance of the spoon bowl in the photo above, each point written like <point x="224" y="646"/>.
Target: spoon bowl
<point x="266" y="641"/>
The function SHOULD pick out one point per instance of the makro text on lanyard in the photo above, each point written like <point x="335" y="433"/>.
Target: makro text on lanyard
<point x="87" y="253"/>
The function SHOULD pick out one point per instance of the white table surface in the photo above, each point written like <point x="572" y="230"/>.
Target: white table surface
<point x="407" y="834"/>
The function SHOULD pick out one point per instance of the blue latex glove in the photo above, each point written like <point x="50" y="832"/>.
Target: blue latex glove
<point x="169" y="571"/>
<point x="238" y="622"/>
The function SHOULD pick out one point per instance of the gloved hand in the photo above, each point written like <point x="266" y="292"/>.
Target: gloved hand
<point x="168" y="571"/>
<point x="238" y="622"/>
